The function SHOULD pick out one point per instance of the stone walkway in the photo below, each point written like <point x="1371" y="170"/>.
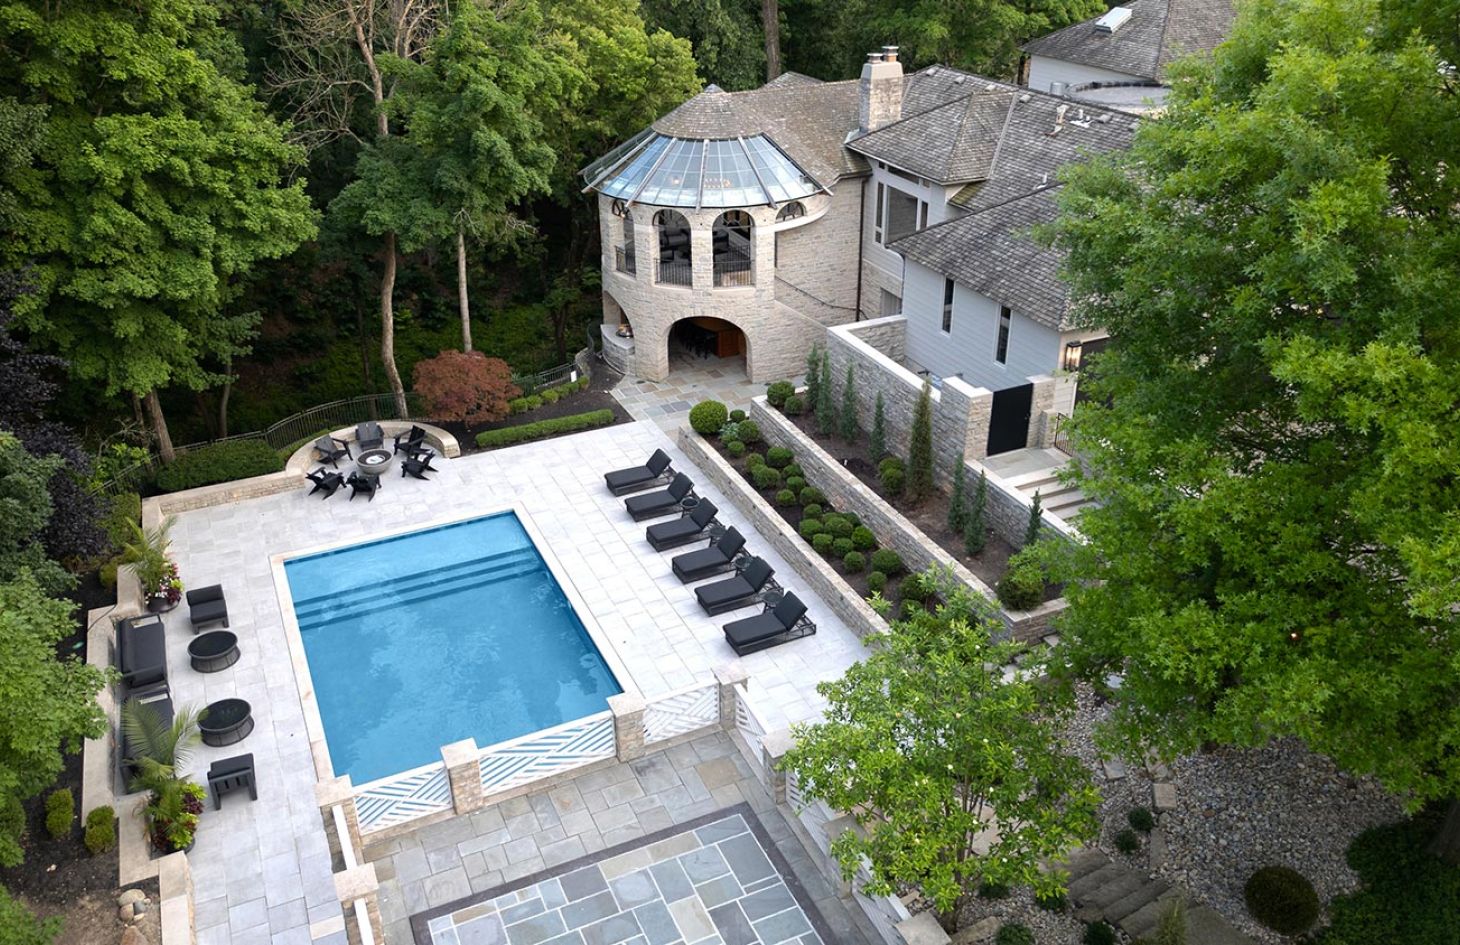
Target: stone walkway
<point x="1134" y="902"/>
<point x="496" y="851"/>
<point x="691" y="380"/>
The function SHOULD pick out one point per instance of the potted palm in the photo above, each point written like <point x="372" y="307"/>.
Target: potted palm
<point x="156" y="572"/>
<point x="160" y="749"/>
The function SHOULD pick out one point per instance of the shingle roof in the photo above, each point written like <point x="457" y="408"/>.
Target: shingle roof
<point x="948" y="143"/>
<point x="1157" y="32"/>
<point x="1008" y="266"/>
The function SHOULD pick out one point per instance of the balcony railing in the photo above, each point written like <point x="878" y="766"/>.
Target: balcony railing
<point x="623" y="259"/>
<point x="676" y="272"/>
<point x="733" y="272"/>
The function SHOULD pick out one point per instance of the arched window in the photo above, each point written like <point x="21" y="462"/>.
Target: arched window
<point x="624" y="254"/>
<point x="733" y="255"/>
<point x="676" y="260"/>
<point x="791" y="211"/>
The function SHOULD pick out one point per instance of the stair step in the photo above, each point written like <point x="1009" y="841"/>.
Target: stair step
<point x="1090" y="882"/>
<point x="1086" y="861"/>
<point x="1143" y="921"/>
<point x="1115" y="890"/>
<point x="1126" y="905"/>
<point x="1029" y="481"/>
<point x="427" y="576"/>
<point x="1062" y="500"/>
<point x="392" y="595"/>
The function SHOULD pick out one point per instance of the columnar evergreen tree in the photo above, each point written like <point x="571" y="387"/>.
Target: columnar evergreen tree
<point x="813" y="376"/>
<point x="920" y="447"/>
<point x="1276" y="546"/>
<point x="847" y="418"/>
<point x="877" y="441"/>
<point x="975" y="533"/>
<point x="825" y="398"/>
<point x="1036" y="516"/>
<point x="957" y="500"/>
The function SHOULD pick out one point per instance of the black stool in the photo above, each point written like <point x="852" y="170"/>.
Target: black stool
<point x="231" y="774"/>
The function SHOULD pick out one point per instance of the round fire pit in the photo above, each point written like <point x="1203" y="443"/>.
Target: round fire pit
<point x="226" y="722"/>
<point x="375" y="462"/>
<point x="213" y="651"/>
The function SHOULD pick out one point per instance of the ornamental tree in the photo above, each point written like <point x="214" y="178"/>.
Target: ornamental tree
<point x="466" y="386"/>
<point x="927" y="747"/>
<point x="25" y="508"/>
<point x="920" y="447"/>
<point x="1276" y="545"/>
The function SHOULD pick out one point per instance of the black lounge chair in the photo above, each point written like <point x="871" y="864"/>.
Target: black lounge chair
<point x="331" y="450"/>
<point x="160" y="699"/>
<point x="418" y="464"/>
<point x="777" y="624"/>
<point x="661" y="503"/>
<point x="369" y="436"/>
<point x="206" y="605"/>
<point x="689" y="527"/>
<point x="366" y="484"/>
<point x="409" y="441"/>
<point x="742" y="590"/>
<point x="639" y="478"/>
<point x="232" y="774"/>
<point x="325" y="481"/>
<point x="141" y="651"/>
<point x="708" y="562"/>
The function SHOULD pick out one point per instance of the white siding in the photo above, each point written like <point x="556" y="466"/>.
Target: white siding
<point x="1044" y="71"/>
<point x="969" y="348"/>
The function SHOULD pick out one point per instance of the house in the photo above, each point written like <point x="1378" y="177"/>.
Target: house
<point x="1120" y="57"/>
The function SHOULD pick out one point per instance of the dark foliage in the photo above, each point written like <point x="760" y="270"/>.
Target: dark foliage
<point x="1282" y="899"/>
<point x="1409" y="896"/>
<point x="219" y="462"/>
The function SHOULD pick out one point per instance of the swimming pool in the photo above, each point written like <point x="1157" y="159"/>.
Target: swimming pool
<point x="427" y="638"/>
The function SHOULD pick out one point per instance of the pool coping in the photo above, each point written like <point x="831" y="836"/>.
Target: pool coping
<point x="420" y="921"/>
<point x="299" y="659"/>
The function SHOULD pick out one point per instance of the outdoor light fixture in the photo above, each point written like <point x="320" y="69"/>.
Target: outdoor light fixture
<point x="1072" y="355"/>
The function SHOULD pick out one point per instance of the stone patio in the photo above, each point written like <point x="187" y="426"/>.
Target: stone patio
<point x="261" y="870"/>
<point x="691" y="380"/>
<point x="525" y="866"/>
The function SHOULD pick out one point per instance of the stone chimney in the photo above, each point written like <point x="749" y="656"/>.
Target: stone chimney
<point x="880" y="97"/>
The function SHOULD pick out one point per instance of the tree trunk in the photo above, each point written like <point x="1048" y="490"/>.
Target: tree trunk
<point x="1446" y="842"/>
<point x="387" y="326"/>
<point x="770" y="18"/>
<point x="461" y="299"/>
<point x="223" y="400"/>
<point x="159" y="426"/>
<point x="367" y="377"/>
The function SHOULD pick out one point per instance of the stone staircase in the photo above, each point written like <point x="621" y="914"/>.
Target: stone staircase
<point x="1130" y="900"/>
<point x="1065" y="502"/>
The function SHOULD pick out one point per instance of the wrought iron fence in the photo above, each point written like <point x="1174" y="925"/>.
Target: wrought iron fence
<point x="733" y="272"/>
<point x="623" y="258"/>
<point x="676" y="272"/>
<point x="1060" y="434"/>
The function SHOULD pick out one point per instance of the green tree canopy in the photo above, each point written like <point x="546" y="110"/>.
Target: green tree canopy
<point x="1272" y="436"/>
<point x="726" y="36"/>
<point x="25" y="508"/>
<point x="928" y="748"/>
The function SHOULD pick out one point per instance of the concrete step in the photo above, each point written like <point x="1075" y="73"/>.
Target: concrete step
<point x="1128" y="904"/>
<point x="1038" y="479"/>
<point x="1084" y="862"/>
<point x="1143" y="921"/>
<point x="1090" y="882"/>
<point x="1070" y="513"/>
<point x="1063" y="499"/>
<point x="1204" y="926"/>
<point x="1116" y="890"/>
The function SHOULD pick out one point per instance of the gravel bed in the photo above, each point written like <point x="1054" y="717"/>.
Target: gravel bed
<point x="1049" y="928"/>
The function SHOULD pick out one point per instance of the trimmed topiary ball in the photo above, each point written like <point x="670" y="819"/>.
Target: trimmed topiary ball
<point x="809" y="528"/>
<point x="854" y="561"/>
<point x="863" y="539"/>
<point x="796" y="483"/>
<point x="735" y="448"/>
<point x="811" y="511"/>
<point x="736" y="416"/>
<point x="708" y="416"/>
<point x="794" y="406"/>
<point x="839" y="526"/>
<point x="1014" y="934"/>
<point x="779" y="457"/>
<point x="765" y="477"/>
<point x="1022" y="586"/>
<point x="821" y="541"/>
<point x="777" y="392"/>
<point x="750" y="431"/>
<point x="1141" y="819"/>
<point x="753" y="460"/>
<point x="101" y="830"/>
<point x="785" y="497"/>
<point x="1282" y="899"/>
<point x="60" y="813"/>
<point x="812" y="496"/>
<point x="1127" y="841"/>
<point x="893" y="475"/>
<point x="887" y="561"/>
<point x="876" y="581"/>
<point x="841" y="547"/>
<point x="794" y="469"/>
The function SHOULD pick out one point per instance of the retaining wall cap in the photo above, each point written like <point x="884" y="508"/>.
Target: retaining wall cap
<point x="356" y="883"/>
<point x="922" y="929"/>
<point x="460" y="753"/>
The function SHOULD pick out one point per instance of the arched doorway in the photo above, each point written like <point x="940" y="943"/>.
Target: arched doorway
<point x="732" y="252"/>
<point x="704" y="343"/>
<point x="676" y="259"/>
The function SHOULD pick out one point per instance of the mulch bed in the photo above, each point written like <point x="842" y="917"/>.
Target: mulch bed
<point x="596" y="397"/>
<point x="56" y="872"/>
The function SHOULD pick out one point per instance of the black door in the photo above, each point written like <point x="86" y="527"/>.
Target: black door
<point x="1009" y="420"/>
<point x="1088" y="350"/>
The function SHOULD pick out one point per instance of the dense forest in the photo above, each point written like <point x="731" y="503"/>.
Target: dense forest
<point x="227" y="212"/>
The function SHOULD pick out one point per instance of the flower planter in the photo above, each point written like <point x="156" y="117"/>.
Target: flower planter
<point x="160" y="605"/>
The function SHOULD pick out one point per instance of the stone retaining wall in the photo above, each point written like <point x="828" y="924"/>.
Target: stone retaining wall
<point x="1007" y="512"/>
<point x="812" y="567"/>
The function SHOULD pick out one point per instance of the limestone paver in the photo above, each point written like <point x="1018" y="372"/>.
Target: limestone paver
<point x="666" y="403"/>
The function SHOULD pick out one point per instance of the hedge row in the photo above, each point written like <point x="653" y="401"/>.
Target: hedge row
<point x="219" y="462"/>
<point x="548" y="395"/>
<point x="544" y="428"/>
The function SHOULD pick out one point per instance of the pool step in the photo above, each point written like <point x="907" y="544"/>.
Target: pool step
<point x="425" y="575"/>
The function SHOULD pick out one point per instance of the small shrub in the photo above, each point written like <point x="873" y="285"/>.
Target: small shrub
<point x="863" y="539"/>
<point x="1141" y="819"/>
<point x="707" y="417"/>
<point x="915" y="587"/>
<point x="750" y="431"/>
<point x="892" y="473"/>
<point x="809" y="528"/>
<point x="1171" y="926"/>
<point x="1014" y="934"/>
<point x="812" y="496"/>
<point x="876" y="582"/>
<point x="852" y="517"/>
<point x="776" y="394"/>
<point x="796" y="483"/>
<point x="785" y="497"/>
<point x="779" y="457"/>
<point x="20" y="926"/>
<point x="794" y="406"/>
<point x="753" y="460"/>
<point x="812" y="511"/>
<point x="60" y="813"/>
<point x="840" y="528"/>
<point x="219" y="462"/>
<point x="1099" y="933"/>
<point x="534" y="401"/>
<point x="841" y="547"/>
<point x="107" y="574"/>
<point x="737" y="415"/>
<point x="821" y="541"/>
<point x="730" y="431"/>
<point x="1054" y="902"/>
<point x="466" y="386"/>
<point x="993" y="890"/>
<point x="545" y="428"/>
<point x="766" y="477"/>
<point x="887" y="561"/>
<point x="1127" y="841"/>
<point x="854" y="561"/>
<point x="1281" y="899"/>
<point x="794" y="469"/>
<point x="735" y="448"/>
<point x="517" y="404"/>
<point x="1022" y="586"/>
<point x="101" y="830"/>
<point x="551" y="395"/>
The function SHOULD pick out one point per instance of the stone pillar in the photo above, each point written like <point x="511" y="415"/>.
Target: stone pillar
<point x="464" y="773"/>
<point x="175" y="899"/>
<point x="962" y="407"/>
<point x="360" y="883"/>
<point x="646" y="246"/>
<point x="628" y="725"/>
<point x="774" y="747"/>
<point x="980" y="414"/>
<point x="340" y="792"/>
<point x="702" y="250"/>
<point x="728" y="677"/>
<point x="1041" y="402"/>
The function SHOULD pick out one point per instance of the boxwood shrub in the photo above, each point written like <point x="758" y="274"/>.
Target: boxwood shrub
<point x="854" y="561"/>
<point x="60" y="813"/>
<point x="795" y="483"/>
<point x="812" y="511"/>
<point x="812" y="496"/>
<point x="551" y="395"/>
<point x="841" y="547"/>
<point x="794" y="406"/>
<point x="852" y="517"/>
<point x="785" y="497"/>
<point x="753" y="460"/>
<point x="219" y="462"/>
<point x="750" y="431"/>
<point x="736" y="416"/>
<point x="1282" y="899"/>
<point x="863" y="539"/>
<point x="839" y="526"/>
<point x="887" y="561"/>
<point x="735" y="448"/>
<point x="822" y="542"/>
<point x="708" y="416"/>
<point x="779" y="457"/>
<point x="766" y="477"/>
<point x="101" y="830"/>
<point x="544" y="428"/>
<point x="776" y="393"/>
<point x="795" y="470"/>
<point x="809" y="528"/>
<point x="876" y="581"/>
<point x="1022" y="586"/>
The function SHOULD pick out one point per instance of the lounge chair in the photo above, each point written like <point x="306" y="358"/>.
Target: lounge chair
<point x="708" y="562"/>
<point x="410" y="440"/>
<point x="369" y="436"/>
<point x="331" y="450"/>
<point x="688" y="527"/>
<point x="418" y="464"/>
<point x="325" y="481"/>
<point x="206" y="605"/>
<point x="661" y="503"/>
<point x="141" y="651"/>
<point x="775" y="625"/>
<point x="160" y="698"/>
<point x="232" y="774"/>
<point x="742" y="590"/>
<point x="366" y="484"/>
<point x="639" y="478"/>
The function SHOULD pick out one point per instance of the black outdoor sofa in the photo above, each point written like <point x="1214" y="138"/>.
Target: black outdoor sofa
<point x="141" y="651"/>
<point x="708" y="562"/>
<point x="661" y="503"/>
<point x="159" y="697"/>
<point x="691" y="526"/>
<point x="332" y="450"/>
<point x="742" y="590"/>
<point x="638" y="478"/>
<point x="325" y="481"/>
<point x="778" y="623"/>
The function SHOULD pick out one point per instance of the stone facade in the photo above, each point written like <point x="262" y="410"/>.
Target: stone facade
<point x="1007" y="512"/>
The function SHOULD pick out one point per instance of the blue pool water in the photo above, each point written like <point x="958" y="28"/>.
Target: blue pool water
<point x="424" y="639"/>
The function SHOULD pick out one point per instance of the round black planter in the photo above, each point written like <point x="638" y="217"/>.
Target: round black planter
<point x="160" y="605"/>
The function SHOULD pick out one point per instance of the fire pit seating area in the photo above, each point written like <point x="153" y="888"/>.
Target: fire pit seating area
<point x="373" y="457"/>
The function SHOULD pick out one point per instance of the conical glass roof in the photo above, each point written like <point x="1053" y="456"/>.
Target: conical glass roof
<point x="693" y="172"/>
